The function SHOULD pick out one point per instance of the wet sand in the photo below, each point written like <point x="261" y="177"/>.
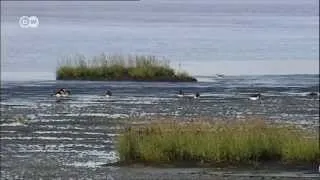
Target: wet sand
<point x="149" y="173"/>
<point x="206" y="174"/>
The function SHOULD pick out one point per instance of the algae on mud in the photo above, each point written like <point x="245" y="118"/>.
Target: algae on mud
<point x="119" y="68"/>
<point x="217" y="144"/>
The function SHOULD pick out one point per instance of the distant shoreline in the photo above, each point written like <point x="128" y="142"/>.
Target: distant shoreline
<point x="169" y="80"/>
<point x="51" y="76"/>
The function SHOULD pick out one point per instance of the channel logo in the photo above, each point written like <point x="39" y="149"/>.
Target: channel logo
<point x="29" y="22"/>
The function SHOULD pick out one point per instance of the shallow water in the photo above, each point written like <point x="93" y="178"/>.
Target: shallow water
<point x="78" y="134"/>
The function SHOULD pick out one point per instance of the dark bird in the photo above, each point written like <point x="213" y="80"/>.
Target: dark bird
<point x="181" y="94"/>
<point x="62" y="93"/>
<point x="313" y="94"/>
<point x="108" y="93"/>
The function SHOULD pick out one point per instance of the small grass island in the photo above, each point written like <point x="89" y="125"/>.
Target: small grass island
<point x="217" y="144"/>
<point x="119" y="68"/>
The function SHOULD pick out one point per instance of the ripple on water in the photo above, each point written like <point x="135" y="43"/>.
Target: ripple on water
<point x="3" y="131"/>
<point x="89" y="164"/>
<point x="105" y="115"/>
<point x="68" y="132"/>
<point x="19" y="103"/>
<point x="62" y="127"/>
<point x="13" y="124"/>
<point x="103" y="158"/>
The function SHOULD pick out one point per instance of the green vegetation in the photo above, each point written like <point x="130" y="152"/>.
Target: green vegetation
<point x="119" y="68"/>
<point x="217" y="144"/>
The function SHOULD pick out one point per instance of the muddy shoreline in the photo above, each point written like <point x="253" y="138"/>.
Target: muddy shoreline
<point x="207" y="173"/>
<point x="270" y="170"/>
<point x="150" y="173"/>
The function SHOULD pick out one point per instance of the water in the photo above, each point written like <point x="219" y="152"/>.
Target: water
<point x="76" y="136"/>
<point x="206" y="37"/>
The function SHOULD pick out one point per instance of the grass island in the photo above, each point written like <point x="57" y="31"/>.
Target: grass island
<point x="119" y="68"/>
<point x="217" y="144"/>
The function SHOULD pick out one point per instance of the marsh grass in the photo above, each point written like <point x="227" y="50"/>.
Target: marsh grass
<point x="118" y="67"/>
<point x="217" y="144"/>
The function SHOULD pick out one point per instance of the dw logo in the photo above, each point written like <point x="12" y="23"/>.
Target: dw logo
<point x="29" y="22"/>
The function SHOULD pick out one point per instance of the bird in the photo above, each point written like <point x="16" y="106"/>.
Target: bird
<point x="197" y="95"/>
<point x="313" y="94"/>
<point x="108" y="93"/>
<point x="255" y="97"/>
<point x="62" y="93"/>
<point x="181" y="94"/>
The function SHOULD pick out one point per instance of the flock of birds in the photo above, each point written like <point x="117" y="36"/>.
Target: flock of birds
<point x="65" y="93"/>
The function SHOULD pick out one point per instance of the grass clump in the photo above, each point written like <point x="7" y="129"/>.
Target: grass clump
<point x="119" y="68"/>
<point x="217" y="144"/>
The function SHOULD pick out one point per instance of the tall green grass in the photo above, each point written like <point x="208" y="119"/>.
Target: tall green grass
<point x="119" y="67"/>
<point x="218" y="143"/>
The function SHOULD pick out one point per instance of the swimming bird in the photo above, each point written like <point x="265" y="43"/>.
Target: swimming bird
<point x="59" y="93"/>
<point x="255" y="97"/>
<point x="219" y="75"/>
<point x="62" y="93"/>
<point x="313" y="94"/>
<point x="108" y="93"/>
<point x="181" y="94"/>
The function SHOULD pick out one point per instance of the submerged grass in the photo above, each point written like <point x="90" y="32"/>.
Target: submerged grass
<point x="119" y="67"/>
<point x="217" y="144"/>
